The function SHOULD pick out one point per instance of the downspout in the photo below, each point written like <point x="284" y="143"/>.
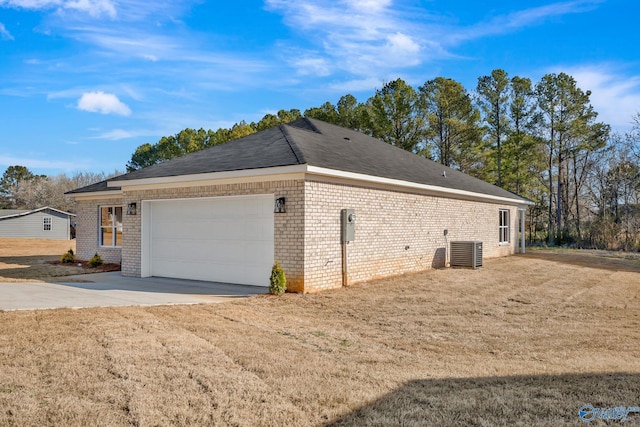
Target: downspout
<point x="523" y="213"/>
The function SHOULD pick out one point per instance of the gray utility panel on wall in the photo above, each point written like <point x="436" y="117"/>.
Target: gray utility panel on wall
<point x="348" y="225"/>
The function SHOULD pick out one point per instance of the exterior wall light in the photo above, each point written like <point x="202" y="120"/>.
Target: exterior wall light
<point x="132" y="208"/>
<point x="280" y="205"/>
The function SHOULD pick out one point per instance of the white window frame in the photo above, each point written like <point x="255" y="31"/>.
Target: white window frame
<point x="504" y="227"/>
<point x="113" y="226"/>
<point x="47" y="223"/>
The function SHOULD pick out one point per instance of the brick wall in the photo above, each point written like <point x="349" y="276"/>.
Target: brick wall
<point x="87" y="229"/>
<point x="395" y="232"/>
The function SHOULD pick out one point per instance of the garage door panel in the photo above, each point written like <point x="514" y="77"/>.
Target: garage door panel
<point x="167" y="249"/>
<point x="254" y="230"/>
<point x="191" y="270"/>
<point x="203" y="249"/>
<point x="219" y="230"/>
<point x="227" y="239"/>
<point x="224" y="249"/>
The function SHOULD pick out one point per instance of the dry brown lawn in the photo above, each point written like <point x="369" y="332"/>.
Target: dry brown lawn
<point x="523" y="341"/>
<point x="30" y="260"/>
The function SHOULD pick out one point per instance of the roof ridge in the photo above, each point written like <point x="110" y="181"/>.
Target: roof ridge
<point x="25" y="212"/>
<point x="294" y="147"/>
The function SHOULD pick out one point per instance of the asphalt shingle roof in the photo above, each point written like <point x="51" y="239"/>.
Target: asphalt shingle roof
<point x="7" y="213"/>
<point x="315" y="143"/>
<point x="98" y="186"/>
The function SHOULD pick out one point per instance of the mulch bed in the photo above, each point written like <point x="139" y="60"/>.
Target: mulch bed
<point x="85" y="266"/>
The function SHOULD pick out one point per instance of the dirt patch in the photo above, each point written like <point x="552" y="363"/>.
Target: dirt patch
<point x="85" y="266"/>
<point x="521" y="341"/>
<point x="37" y="260"/>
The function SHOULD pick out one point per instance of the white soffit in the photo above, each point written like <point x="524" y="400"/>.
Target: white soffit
<point x="110" y="194"/>
<point x="246" y="175"/>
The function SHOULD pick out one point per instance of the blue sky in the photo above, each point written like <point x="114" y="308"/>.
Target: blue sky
<point x="84" y="82"/>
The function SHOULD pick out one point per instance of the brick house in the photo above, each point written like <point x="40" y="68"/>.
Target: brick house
<point x="225" y="213"/>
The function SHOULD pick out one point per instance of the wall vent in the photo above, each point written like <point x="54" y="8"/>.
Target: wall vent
<point x="466" y="254"/>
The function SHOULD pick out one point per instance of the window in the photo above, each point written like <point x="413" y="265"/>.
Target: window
<point x="504" y="226"/>
<point x="46" y="223"/>
<point x="111" y="226"/>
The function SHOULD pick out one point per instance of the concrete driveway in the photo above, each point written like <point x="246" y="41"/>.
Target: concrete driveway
<point x="111" y="289"/>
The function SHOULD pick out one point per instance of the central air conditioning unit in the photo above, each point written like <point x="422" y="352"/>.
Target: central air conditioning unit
<point x="466" y="254"/>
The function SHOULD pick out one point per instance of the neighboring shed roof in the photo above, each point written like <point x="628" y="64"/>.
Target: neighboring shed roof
<point x="12" y="213"/>
<point x="315" y="143"/>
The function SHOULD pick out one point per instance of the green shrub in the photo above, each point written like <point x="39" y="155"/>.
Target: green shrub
<point x="68" y="257"/>
<point x="95" y="261"/>
<point x="278" y="281"/>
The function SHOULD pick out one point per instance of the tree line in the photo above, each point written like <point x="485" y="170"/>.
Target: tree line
<point x="20" y="188"/>
<point x="540" y="140"/>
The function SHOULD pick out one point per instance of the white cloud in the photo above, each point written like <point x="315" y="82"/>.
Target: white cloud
<point x="369" y="4"/>
<point x="94" y="8"/>
<point x="105" y="103"/>
<point x="129" y="10"/>
<point x="373" y="38"/>
<point x="4" y="33"/>
<point x="30" y="4"/>
<point x="118" y="134"/>
<point x="313" y="65"/>
<point x="68" y="93"/>
<point x="358" y="85"/>
<point x="128" y="42"/>
<point x="511" y="22"/>
<point x="362" y="37"/>
<point x="402" y="48"/>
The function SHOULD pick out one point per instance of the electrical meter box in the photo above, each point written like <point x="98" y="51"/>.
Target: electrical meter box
<point x="348" y="225"/>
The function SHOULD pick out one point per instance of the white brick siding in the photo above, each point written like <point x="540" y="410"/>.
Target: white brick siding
<point x="396" y="232"/>
<point x="88" y="229"/>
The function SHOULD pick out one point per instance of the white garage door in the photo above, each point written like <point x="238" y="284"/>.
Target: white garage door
<point x="222" y="239"/>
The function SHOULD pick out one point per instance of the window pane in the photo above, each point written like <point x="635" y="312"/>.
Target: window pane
<point x="106" y="237"/>
<point x="111" y="225"/>
<point x="105" y="216"/>
<point x="503" y="227"/>
<point x="118" y="216"/>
